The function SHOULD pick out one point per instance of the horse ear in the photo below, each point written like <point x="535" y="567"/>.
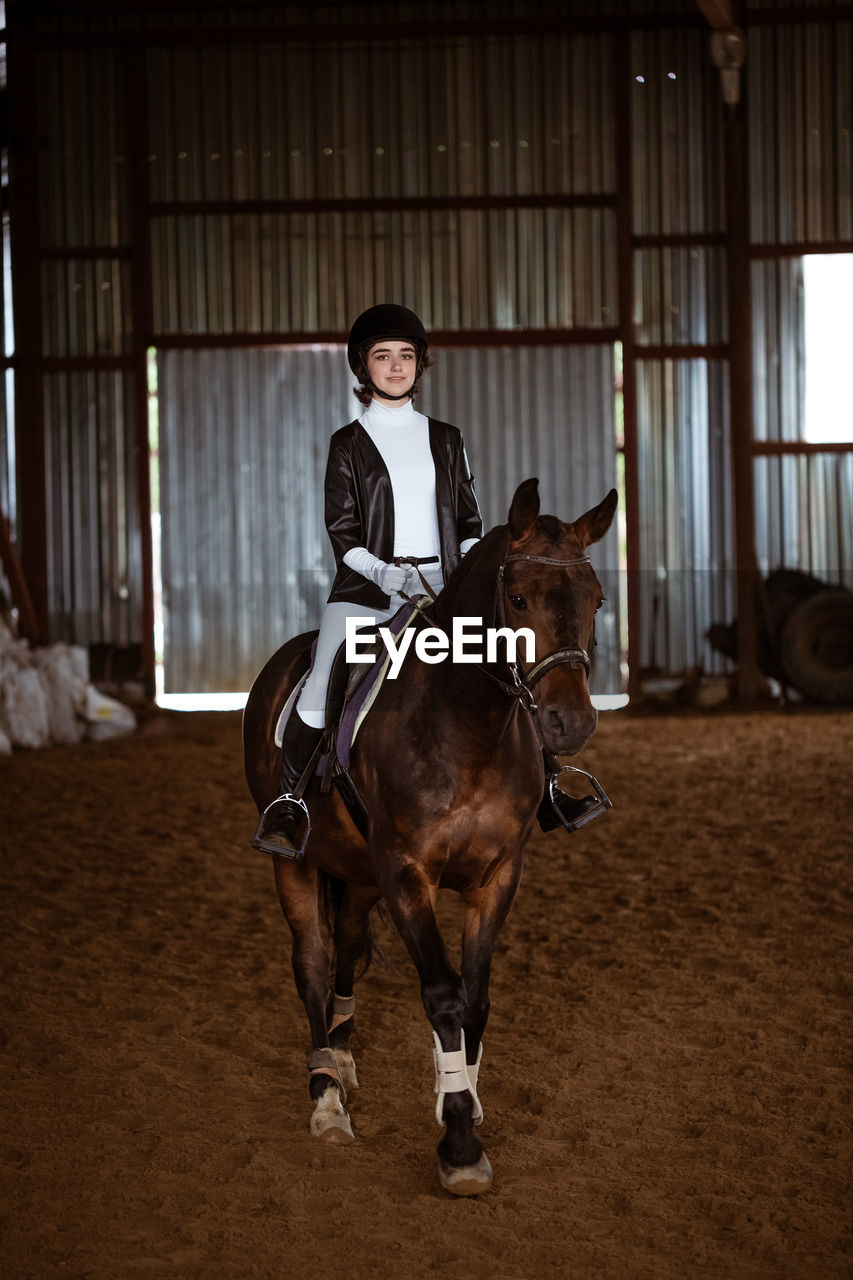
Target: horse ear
<point x="524" y="508"/>
<point x="593" y="525"/>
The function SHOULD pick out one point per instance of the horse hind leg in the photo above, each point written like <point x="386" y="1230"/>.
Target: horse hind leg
<point x="351" y="907"/>
<point x="341" y="1022"/>
<point x="297" y="889"/>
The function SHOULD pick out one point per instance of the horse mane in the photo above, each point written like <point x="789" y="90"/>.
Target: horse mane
<point x="470" y="589"/>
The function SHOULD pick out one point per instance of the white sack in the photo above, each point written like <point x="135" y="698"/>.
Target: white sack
<point x="24" y="714"/>
<point x="66" y="692"/>
<point x="105" y="717"/>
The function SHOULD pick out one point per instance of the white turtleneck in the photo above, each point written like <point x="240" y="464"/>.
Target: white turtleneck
<point x="401" y="435"/>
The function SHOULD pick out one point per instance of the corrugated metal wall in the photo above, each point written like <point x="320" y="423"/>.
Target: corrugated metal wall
<point x="801" y="140"/>
<point x="550" y="412"/>
<point x="94" y="535"/>
<point x="686" y="552"/>
<point x="806" y="503"/>
<point x="801" y="116"/>
<point x="243" y="445"/>
<point x="306" y="272"/>
<point x="686" y="537"/>
<point x="506" y="118"/>
<point x="513" y="118"/>
<point x="431" y="117"/>
<point x="94" y="546"/>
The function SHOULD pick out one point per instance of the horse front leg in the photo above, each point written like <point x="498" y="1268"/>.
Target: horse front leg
<point x="486" y="910"/>
<point x="297" y="890"/>
<point x="463" y="1165"/>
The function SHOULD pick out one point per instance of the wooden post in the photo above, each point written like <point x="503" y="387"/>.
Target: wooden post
<point x="26" y="296"/>
<point x="624" y="212"/>
<point x="21" y="599"/>
<point x="740" y="393"/>
<point x="136" y="105"/>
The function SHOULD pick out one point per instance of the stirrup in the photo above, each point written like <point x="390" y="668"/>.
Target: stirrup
<point x="601" y="802"/>
<point x="277" y="842"/>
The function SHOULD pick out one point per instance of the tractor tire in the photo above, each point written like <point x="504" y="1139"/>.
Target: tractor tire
<point x="816" y="646"/>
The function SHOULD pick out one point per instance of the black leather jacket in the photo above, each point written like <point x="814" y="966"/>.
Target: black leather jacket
<point x="360" y="505"/>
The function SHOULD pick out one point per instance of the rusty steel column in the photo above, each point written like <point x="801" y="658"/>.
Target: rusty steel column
<point x="26" y="299"/>
<point x="136" y="106"/>
<point x="625" y="228"/>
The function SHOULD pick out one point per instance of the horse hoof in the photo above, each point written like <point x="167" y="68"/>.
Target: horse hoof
<point x="474" y="1180"/>
<point x="338" y="1135"/>
<point x="330" y="1120"/>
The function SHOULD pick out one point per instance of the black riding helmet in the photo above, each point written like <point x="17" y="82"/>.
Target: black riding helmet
<point x="378" y="324"/>
<point x="382" y="322"/>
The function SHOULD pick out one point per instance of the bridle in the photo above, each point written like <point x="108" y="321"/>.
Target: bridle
<point x="523" y="681"/>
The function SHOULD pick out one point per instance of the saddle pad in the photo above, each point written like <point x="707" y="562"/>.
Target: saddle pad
<point x="288" y="707"/>
<point x="359" y="705"/>
<point x="291" y="701"/>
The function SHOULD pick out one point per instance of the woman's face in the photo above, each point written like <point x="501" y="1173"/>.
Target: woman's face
<point x="392" y="367"/>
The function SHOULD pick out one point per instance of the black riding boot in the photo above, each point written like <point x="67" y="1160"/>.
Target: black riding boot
<point x="284" y="825"/>
<point x="558" y="809"/>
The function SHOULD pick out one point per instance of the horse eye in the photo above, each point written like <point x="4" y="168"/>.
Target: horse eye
<point x="518" y="602"/>
<point x="600" y="603"/>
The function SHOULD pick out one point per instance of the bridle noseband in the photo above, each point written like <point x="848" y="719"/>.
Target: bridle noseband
<point x="572" y="657"/>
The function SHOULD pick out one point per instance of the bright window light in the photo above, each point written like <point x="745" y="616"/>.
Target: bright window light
<point x="202" y="701"/>
<point x="237" y="701"/>
<point x="828" y="288"/>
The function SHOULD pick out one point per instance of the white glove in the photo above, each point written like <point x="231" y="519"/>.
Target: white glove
<point x="388" y="577"/>
<point x="394" y="579"/>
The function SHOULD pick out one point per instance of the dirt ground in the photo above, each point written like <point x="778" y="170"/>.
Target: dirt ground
<point x="667" y="1069"/>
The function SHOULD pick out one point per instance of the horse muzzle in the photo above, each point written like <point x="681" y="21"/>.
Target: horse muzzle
<point x="566" y="730"/>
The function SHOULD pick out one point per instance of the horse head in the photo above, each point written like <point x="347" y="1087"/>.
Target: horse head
<point x="549" y="586"/>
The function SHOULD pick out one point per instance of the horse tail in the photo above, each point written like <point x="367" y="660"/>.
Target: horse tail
<point x="332" y="891"/>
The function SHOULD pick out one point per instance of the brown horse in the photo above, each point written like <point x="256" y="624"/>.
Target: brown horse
<point x="449" y="764"/>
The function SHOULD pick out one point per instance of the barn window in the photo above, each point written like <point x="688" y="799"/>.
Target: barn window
<point x="828" y="289"/>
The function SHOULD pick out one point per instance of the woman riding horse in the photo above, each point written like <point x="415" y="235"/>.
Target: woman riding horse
<point x="450" y="769"/>
<point x="399" y="503"/>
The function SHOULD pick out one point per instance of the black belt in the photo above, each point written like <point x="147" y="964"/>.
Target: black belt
<point x="415" y="560"/>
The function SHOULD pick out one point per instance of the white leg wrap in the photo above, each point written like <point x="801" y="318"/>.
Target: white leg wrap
<point x="453" y="1075"/>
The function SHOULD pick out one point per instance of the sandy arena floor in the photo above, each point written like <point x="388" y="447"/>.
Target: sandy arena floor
<point x="667" y="1070"/>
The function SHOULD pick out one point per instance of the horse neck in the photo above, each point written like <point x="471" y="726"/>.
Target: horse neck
<point x="471" y="591"/>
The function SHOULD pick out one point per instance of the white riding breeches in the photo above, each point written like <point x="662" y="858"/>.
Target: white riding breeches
<point x="311" y="704"/>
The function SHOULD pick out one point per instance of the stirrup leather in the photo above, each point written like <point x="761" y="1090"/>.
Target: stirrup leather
<point x="453" y="1075"/>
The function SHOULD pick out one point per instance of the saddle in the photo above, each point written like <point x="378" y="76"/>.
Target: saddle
<point x="351" y="693"/>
